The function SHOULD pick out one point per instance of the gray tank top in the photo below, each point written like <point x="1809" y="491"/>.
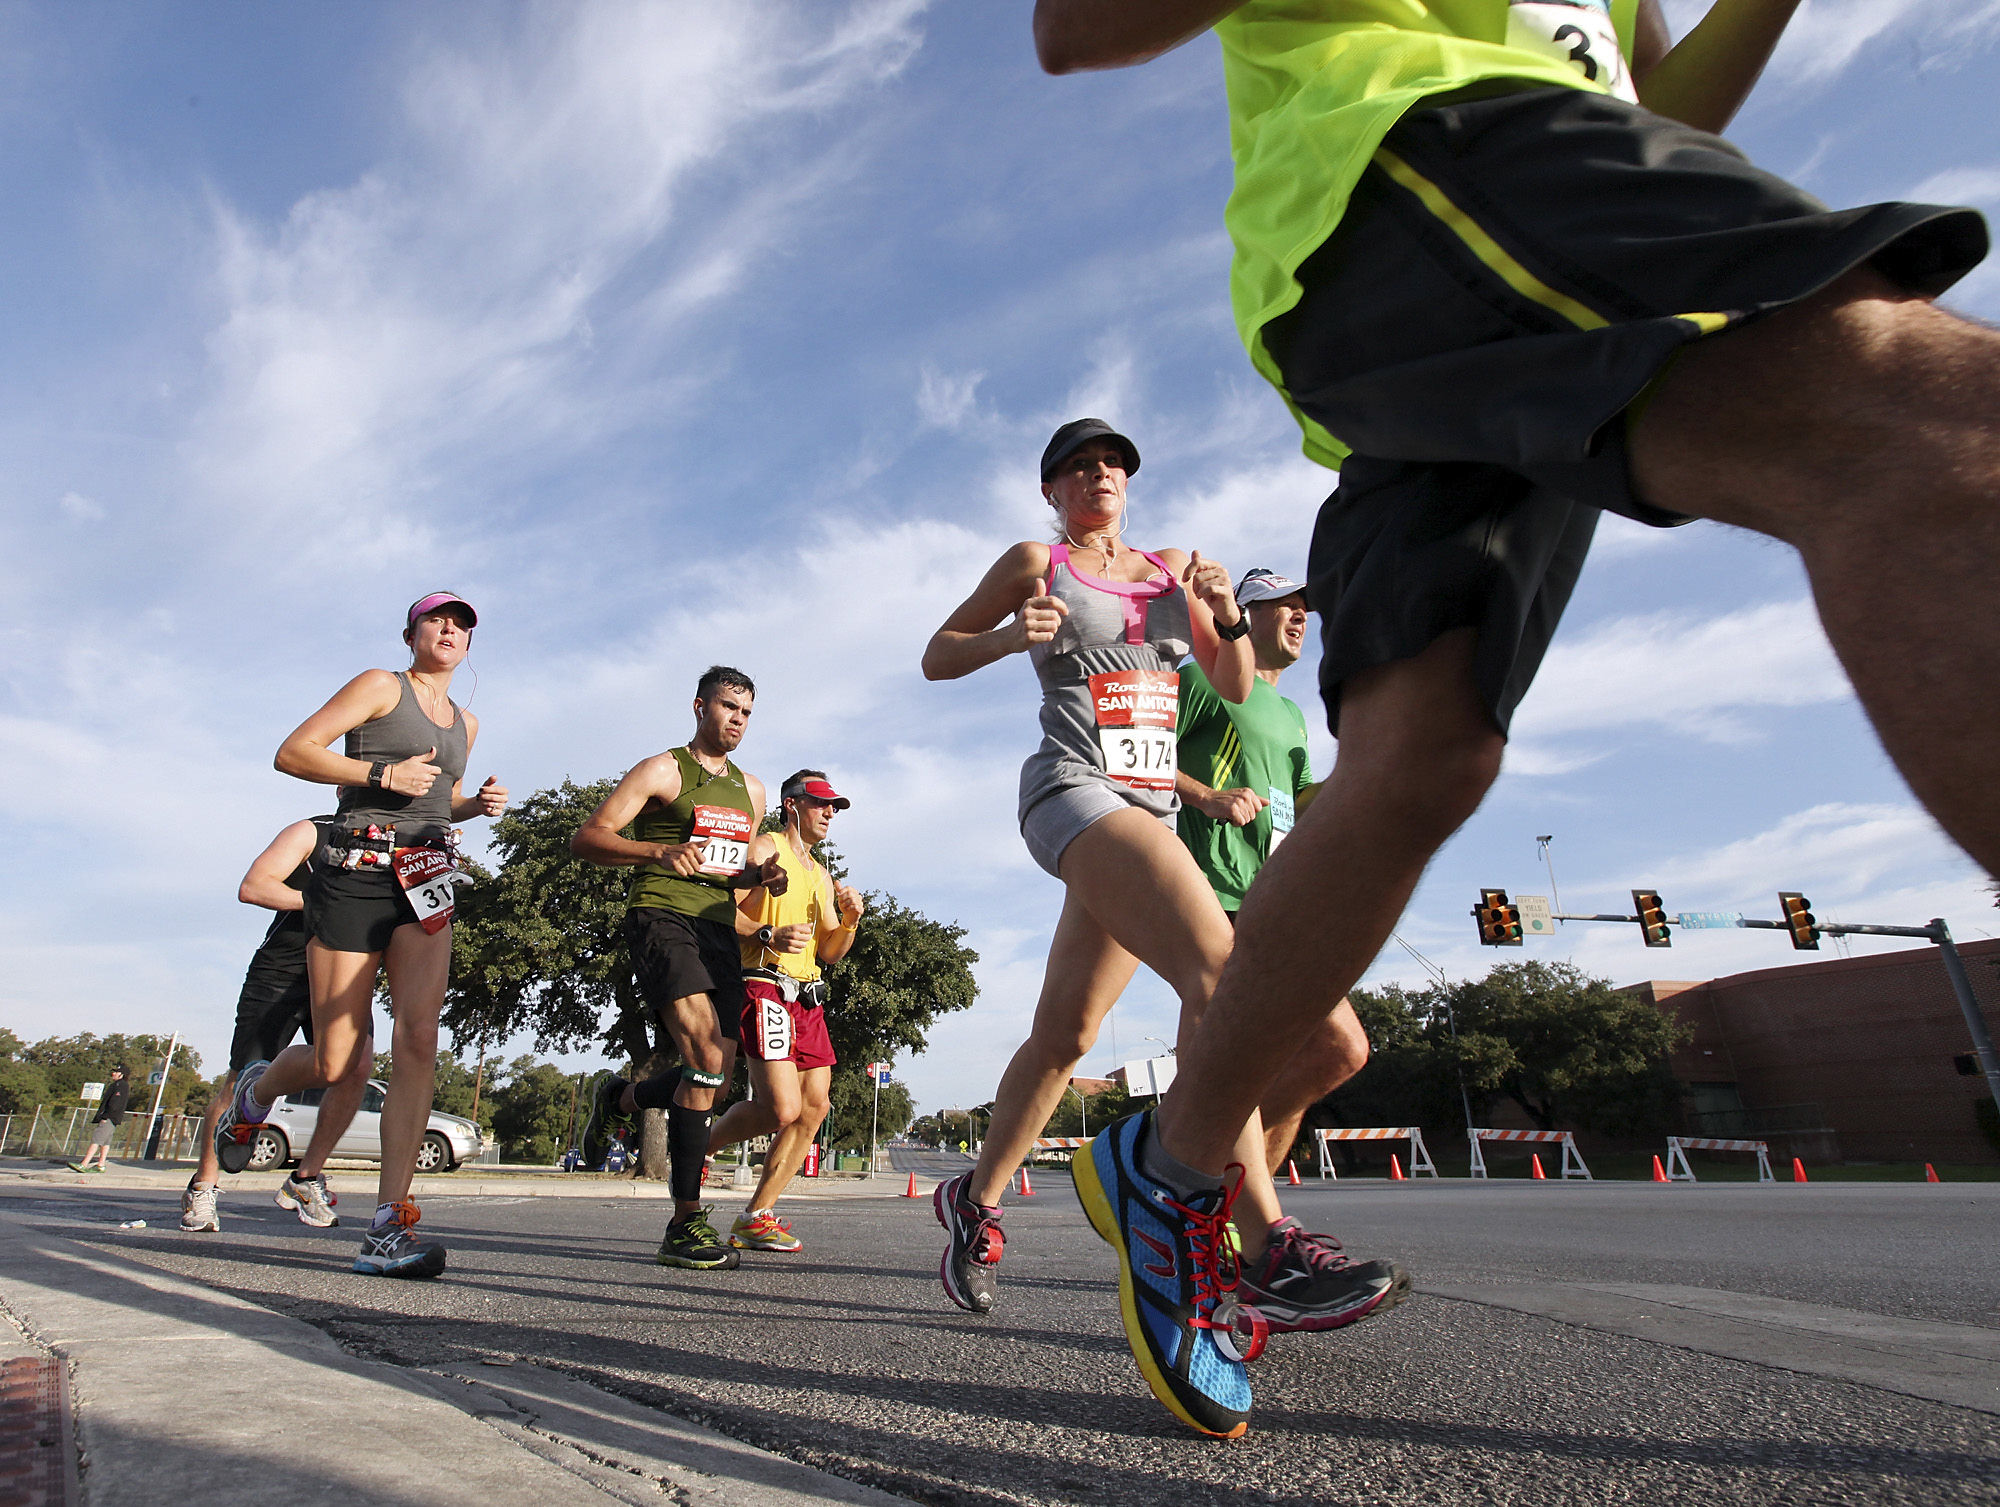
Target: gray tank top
<point x="1112" y="626"/>
<point x="403" y="732"/>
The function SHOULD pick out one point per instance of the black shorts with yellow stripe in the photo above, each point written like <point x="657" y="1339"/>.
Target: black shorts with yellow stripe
<point x="1515" y="267"/>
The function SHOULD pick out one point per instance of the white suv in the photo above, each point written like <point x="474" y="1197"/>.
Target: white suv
<point x="448" y="1139"/>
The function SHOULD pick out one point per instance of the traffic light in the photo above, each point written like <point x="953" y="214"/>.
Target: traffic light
<point x="1799" y="920"/>
<point x="1652" y="919"/>
<point x="1499" y="922"/>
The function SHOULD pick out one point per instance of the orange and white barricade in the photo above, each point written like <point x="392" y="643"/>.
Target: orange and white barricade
<point x="1572" y="1163"/>
<point x="1420" y="1157"/>
<point x="1679" y="1171"/>
<point x="1069" y="1143"/>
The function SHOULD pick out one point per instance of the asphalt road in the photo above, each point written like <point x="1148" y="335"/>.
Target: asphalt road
<point x="1532" y="1383"/>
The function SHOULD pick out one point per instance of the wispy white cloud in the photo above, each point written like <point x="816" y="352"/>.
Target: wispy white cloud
<point x="83" y="509"/>
<point x="1680" y="672"/>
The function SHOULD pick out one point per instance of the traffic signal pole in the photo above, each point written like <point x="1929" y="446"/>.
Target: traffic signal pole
<point x="1805" y="930"/>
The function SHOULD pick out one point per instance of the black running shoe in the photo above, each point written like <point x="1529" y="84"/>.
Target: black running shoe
<point x="1307" y="1282"/>
<point x="691" y="1241"/>
<point x="606" y="1120"/>
<point x="973" y="1256"/>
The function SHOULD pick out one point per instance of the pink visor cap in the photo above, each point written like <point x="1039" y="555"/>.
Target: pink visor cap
<point x="819" y="790"/>
<point x="436" y="600"/>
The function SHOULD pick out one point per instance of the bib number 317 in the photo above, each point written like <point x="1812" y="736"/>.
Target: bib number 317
<point x="1136" y="711"/>
<point x="426" y="876"/>
<point x="1577" y="32"/>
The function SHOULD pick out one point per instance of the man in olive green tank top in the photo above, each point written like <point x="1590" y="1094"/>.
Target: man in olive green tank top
<point x="1506" y="276"/>
<point x="694" y="816"/>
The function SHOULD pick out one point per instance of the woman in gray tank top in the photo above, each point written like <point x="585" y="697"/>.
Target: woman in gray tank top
<point x="381" y="896"/>
<point x="1105" y="626"/>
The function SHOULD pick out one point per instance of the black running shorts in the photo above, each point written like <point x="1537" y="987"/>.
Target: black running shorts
<point x="355" y="910"/>
<point x="1514" y="269"/>
<point x="276" y="1002"/>
<point x="676" y="956"/>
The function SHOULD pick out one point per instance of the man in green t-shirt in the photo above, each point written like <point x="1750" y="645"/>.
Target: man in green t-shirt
<point x="1506" y="277"/>
<point x="1243" y="774"/>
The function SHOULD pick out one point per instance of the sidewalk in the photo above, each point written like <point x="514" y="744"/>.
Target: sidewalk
<point x="180" y="1391"/>
<point x="351" y="1178"/>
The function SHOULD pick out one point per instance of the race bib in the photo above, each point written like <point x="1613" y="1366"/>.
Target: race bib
<point x="426" y="876"/>
<point x="1282" y="815"/>
<point x="774" y="1030"/>
<point x="1136" y="711"/>
<point x="724" y="833"/>
<point x="1580" y="33"/>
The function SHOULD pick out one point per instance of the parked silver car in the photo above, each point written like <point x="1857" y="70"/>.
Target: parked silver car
<point x="448" y="1139"/>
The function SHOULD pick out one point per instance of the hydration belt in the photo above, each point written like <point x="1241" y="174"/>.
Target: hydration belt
<point x="371" y="846"/>
<point x="811" y="993"/>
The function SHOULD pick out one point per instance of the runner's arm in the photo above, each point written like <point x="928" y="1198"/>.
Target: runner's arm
<point x="768" y="874"/>
<point x="1238" y="807"/>
<point x="1704" y="80"/>
<point x="977" y="633"/>
<point x="1071" y="35"/>
<point x="750" y="902"/>
<point x="1229" y="664"/>
<point x="307" y="754"/>
<point x="598" y="840"/>
<point x="490" y="799"/>
<point x="836" y="937"/>
<point x="264" y="883"/>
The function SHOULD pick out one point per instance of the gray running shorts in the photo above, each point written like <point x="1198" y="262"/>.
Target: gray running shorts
<point x="1054" y="821"/>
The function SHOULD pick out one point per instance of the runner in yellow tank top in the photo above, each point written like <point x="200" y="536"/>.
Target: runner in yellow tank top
<point x="785" y="939"/>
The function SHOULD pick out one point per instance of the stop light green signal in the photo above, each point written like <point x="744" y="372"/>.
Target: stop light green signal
<point x="1499" y="921"/>
<point x="1799" y="920"/>
<point x="1652" y="919"/>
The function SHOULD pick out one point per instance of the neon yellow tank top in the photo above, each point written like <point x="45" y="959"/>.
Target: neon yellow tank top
<point x="804" y="899"/>
<point x="1314" y="86"/>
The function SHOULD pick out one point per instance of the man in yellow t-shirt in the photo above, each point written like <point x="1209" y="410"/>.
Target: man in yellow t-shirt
<point x="785" y="938"/>
<point x="1507" y="277"/>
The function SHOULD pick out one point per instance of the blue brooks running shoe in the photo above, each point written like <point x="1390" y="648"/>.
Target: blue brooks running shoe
<point x="1176" y="1281"/>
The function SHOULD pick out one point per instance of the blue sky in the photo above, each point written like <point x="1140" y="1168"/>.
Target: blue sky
<point x="672" y="334"/>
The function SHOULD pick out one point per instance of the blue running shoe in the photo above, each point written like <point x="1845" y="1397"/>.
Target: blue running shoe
<point x="1176" y="1281"/>
<point x="236" y="1130"/>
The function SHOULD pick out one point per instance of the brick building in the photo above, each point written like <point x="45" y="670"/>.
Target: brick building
<point x="1851" y="1059"/>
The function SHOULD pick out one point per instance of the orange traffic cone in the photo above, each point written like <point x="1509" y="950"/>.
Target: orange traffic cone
<point x="1535" y="1167"/>
<point x="1930" y="1173"/>
<point x="911" y="1191"/>
<point x="1292" y="1172"/>
<point x="1659" y="1172"/>
<point x="1798" y="1170"/>
<point x="1396" y="1170"/>
<point x="1027" y="1189"/>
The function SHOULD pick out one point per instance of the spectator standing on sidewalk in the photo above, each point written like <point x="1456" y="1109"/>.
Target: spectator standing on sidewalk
<point x="110" y="1115"/>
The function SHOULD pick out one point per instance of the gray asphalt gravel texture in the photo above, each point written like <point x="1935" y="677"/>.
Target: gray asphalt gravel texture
<point x="847" y="1356"/>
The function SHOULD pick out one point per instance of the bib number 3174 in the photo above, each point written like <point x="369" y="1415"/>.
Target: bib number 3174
<point x="426" y="876"/>
<point x="1136" y="711"/>
<point x="1577" y="32"/>
<point x="724" y="834"/>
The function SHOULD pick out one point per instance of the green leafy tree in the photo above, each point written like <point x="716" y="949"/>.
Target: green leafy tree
<point x="851" y="1103"/>
<point x="1070" y="1116"/>
<point x="1573" y="1052"/>
<point x="531" y="1111"/>
<point x="67" y="1063"/>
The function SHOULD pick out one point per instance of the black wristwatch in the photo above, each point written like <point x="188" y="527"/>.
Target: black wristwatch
<point x="376" y="771"/>
<point x="1233" y="630"/>
<point x="766" y="935"/>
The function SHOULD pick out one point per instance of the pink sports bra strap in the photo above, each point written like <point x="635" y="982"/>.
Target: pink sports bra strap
<point x="1133" y="595"/>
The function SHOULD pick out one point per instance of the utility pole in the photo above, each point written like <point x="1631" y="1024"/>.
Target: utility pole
<point x="159" y="1093"/>
<point x="1451" y="1016"/>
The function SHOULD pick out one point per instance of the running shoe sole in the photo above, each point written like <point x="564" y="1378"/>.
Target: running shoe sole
<point x="1199" y="1412"/>
<point x="236" y="1133"/>
<point x="428" y="1262"/>
<point x="727" y="1261"/>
